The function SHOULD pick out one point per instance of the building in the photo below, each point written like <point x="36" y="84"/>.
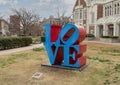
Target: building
<point x="4" y="28"/>
<point x="87" y="12"/>
<point x="14" y="25"/>
<point x="99" y="17"/>
<point x="59" y="21"/>
<point x="94" y="13"/>
<point x="80" y="13"/>
<point x="109" y="24"/>
<point x="35" y="30"/>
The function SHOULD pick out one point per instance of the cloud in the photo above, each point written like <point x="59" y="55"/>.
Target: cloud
<point x="49" y="7"/>
<point x="15" y="1"/>
<point x="44" y="8"/>
<point x="5" y="2"/>
<point x="69" y="1"/>
<point x="43" y="2"/>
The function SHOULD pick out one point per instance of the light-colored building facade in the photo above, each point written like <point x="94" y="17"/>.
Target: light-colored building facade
<point x="109" y="24"/>
<point x="4" y="28"/>
<point x="94" y="13"/>
<point x="80" y="12"/>
<point x="99" y="17"/>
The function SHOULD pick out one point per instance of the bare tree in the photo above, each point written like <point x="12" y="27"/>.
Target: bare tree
<point x="27" y="18"/>
<point x="60" y="10"/>
<point x="1" y="16"/>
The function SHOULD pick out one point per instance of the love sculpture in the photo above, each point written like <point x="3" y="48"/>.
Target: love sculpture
<point x="63" y="45"/>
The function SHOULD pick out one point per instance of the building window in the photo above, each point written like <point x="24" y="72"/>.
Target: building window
<point x="118" y="8"/>
<point x="92" y="17"/>
<point x="76" y="15"/>
<point x="110" y="29"/>
<point x="105" y="11"/>
<point x="85" y="14"/>
<point x="80" y="14"/>
<point x="110" y="10"/>
<point x="115" y="9"/>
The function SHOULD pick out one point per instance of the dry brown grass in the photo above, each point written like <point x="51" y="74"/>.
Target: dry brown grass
<point x="103" y="69"/>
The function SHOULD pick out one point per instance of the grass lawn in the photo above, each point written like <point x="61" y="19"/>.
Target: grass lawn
<point x="103" y="69"/>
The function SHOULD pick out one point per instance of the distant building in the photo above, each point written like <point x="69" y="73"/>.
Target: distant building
<point x="35" y="30"/>
<point x="4" y="28"/>
<point x="59" y="21"/>
<point x="14" y="25"/>
<point x="99" y="17"/>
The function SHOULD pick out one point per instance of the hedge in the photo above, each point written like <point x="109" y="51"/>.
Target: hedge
<point x="36" y="39"/>
<point x="113" y="37"/>
<point x="90" y="35"/>
<point x="42" y="39"/>
<point x="14" y="42"/>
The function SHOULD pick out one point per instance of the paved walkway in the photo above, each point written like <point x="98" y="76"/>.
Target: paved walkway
<point x="10" y="51"/>
<point x="103" y="42"/>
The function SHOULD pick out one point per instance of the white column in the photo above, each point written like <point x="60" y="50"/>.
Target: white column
<point x="104" y="11"/>
<point x="95" y="30"/>
<point x="113" y="10"/>
<point x="105" y="30"/>
<point x="116" y="30"/>
<point x="119" y="8"/>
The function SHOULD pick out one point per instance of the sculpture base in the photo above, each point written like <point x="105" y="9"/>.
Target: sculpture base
<point x="63" y="67"/>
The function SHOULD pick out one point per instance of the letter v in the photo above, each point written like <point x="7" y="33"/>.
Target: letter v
<point x="48" y="44"/>
<point x="51" y="54"/>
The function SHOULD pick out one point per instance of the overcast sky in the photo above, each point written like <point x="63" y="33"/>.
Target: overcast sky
<point x="44" y="8"/>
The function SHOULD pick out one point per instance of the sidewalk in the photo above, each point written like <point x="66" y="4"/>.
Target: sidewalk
<point x="103" y="42"/>
<point x="10" y="51"/>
